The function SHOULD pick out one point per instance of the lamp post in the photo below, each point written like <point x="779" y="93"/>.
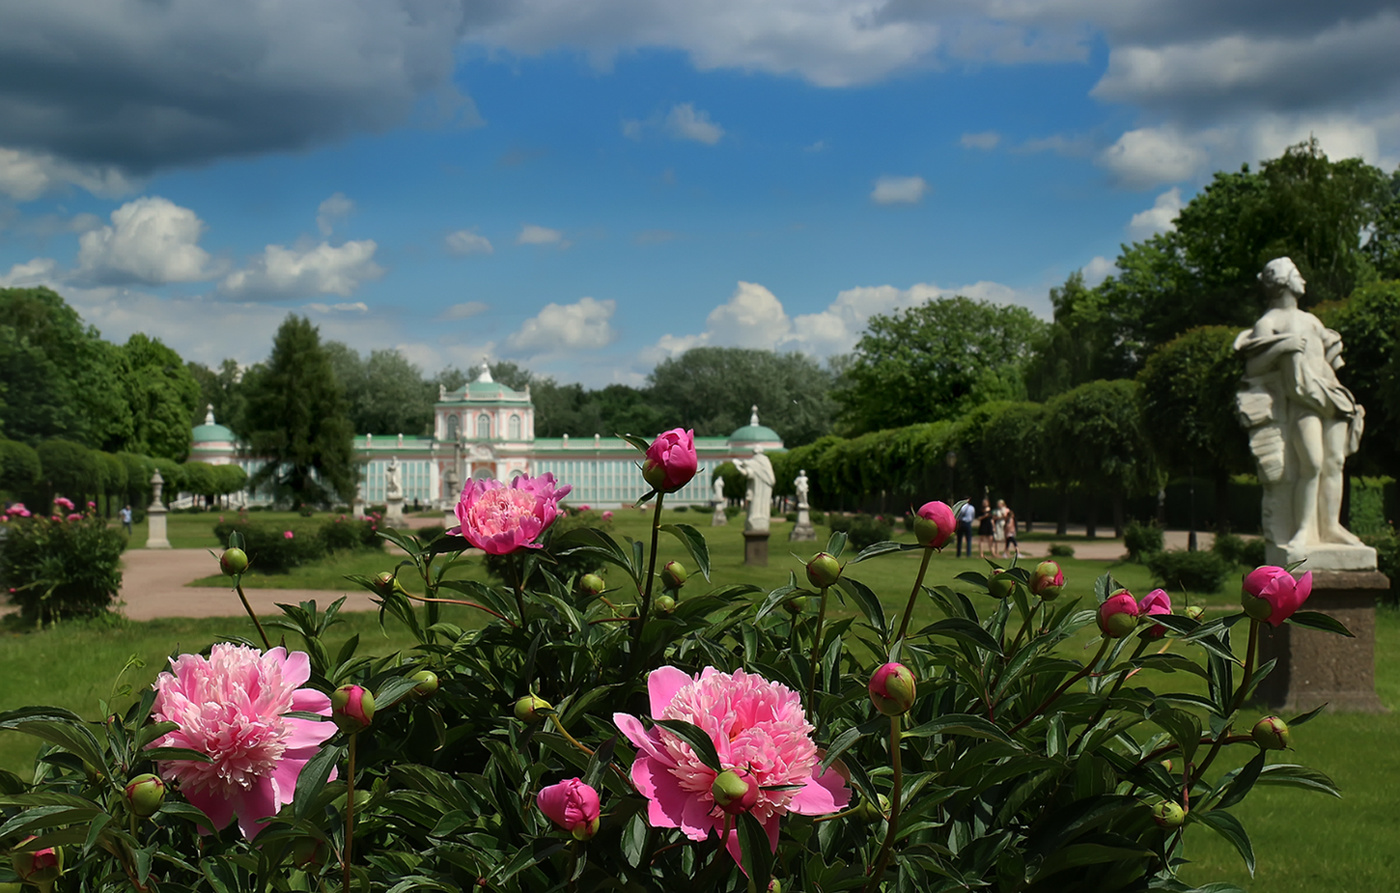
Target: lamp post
<point x="952" y="460"/>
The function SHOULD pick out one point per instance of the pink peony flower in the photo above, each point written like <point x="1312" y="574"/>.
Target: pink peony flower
<point x="1155" y="602"/>
<point x="1272" y="594"/>
<point x="93" y="505"/>
<point x="287" y="534"/>
<point x="63" y="503"/>
<point x="498" y="519"/>
<point x="671" y="460"/>
<point x="758" y="728"/>
<point x="74" y="516"/>
<point x="573" y="806"/>
<point x="934" y="525"/>
<point x="607" y="516"/>
<point x="892" y="689"/>
<point x="231" y="707"/>
<point x="18" y="510"/>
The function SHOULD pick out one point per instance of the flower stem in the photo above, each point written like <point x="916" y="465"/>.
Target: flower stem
<point x="1118" y="683"/>
<point x="651" y="574"/>
<point x="914" y="595"/>
<point x="816" y="654"/>
<point x="249" y="608"/>
<point x="458" y="601"/>
<point x="1239" y="696"/>
<point x="895" y="791"/>
<point x="349" y="815"/>
<point x="1025" y="625"/>
<point x="1087" y="669"/>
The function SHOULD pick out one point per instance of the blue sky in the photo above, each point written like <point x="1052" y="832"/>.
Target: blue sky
<point x="589" y="186"/>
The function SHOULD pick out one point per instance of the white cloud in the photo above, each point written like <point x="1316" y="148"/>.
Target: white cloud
<point x="530" y="234"/>
<point x="987" y="139"/>
<point x="464" y="310"/>
<point x="1159" y="218"/>
<point x="343" y="307"/>
<point x="25" y="175"/>
<point x="632" y="128"/>
<point x="1149" y="156"/>
<point x="584" y="325"/>
<point x="151" y="240"/>
<point x="685" y="122"/>
<point x="281" y="272"/>
<point x="332" y="211"/>
<point x="899" y="190"/>
<point x="464" y="242"/>
<point x="1097" y="270"/>
<point x="38" y="271"/>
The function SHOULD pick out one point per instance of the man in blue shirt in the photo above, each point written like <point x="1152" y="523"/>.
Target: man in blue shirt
<point x="966" y="515"/>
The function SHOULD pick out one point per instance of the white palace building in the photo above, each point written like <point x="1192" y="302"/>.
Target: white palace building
<point x="487" y="430"/>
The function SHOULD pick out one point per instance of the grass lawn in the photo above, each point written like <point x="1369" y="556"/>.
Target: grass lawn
<point x="1304" y="842"/>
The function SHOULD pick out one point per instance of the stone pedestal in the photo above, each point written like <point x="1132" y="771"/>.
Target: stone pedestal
<point x="756" y="548"/>
<point x="1322" y="557"/>
<point x="155" y="516"/>
<point x="393" y="511"/>
<point x="719" y="518"/>
<point x="803" y="531"/>
<point x="1316" y="667"/>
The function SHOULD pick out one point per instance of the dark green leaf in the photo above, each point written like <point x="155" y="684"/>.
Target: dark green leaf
<point x="876" y="549"/>
<point x="868" y="601"/>
<point x="694" y="543"/>
<point x="755" y="849"/>
<point x="1240" y="782"/>
<point x="1228" y="827"/>
<point x="1295" y="776"/>
<point x="965" y="631"/>
<point x="697" y="738"/>
<point x="313" y="778"/>
<point x="1320" y="621"/>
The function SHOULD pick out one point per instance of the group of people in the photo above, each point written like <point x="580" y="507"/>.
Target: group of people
<point x="996" y="529"/>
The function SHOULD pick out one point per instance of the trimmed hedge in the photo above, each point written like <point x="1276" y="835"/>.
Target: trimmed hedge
<point x="1178" y="569"/>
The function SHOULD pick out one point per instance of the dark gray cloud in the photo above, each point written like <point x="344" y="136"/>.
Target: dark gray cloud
<point x="146" y="84"/>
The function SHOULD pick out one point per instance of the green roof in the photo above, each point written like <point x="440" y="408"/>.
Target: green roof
<point x="755" y="433"/>
<point x="214" y="433"/>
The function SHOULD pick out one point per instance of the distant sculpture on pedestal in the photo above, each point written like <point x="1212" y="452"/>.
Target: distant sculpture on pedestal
<point x="1302" y="425"/>
<point x="393" y="493"/>
<point x="449" y="505"/>
<point x="718" y="518"/>
<point x="802" y="530"/>
<point x="155" y="515"/>
<point x="759" y="471"/>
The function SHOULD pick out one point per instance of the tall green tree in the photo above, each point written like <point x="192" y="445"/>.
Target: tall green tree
<point x="1187" y="391"/>
<point x="1369" y="323"/>
<point x="937" y="361"/>
<point x="713" y="390"/>
<point x="162" y="396"/>
<point x="1083" y="342"/>
<point x="221" y="388"/>
<point x="385" y="392"/>
<point x="298" y="418"/>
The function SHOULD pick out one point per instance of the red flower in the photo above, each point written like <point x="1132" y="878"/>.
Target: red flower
<point x="671" y="461"/>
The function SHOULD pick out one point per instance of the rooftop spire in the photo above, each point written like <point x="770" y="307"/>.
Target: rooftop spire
<point x="753" y="416"/>
<point x="485" y="371"/>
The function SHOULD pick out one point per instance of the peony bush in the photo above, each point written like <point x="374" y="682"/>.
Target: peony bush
<point x="640" y="730"/>
<point x="66" y="563"/>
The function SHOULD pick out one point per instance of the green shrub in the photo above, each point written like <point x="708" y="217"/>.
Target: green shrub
<point x="270" y="549"/>
<point x="1387" y="546"/>
<point x="60" y="568"/>
<point x="1238" y="550"/>
<point x="791" y="517"/>
<point x="346" y="534"/>
<point x="1061" y="550"/>
<point x="818" y="517"/>
<point x="681" y="508"/>
<point x="1199" y="572"/>
<point x="1142" y="540"/>
<point x="862" y="530"/>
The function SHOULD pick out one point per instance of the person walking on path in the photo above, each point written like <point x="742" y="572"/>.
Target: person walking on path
<point x="966" y="515"/>
<point x="125" y="515"/>
<point x="999" y="529"/>
<point x="984" y="530"/>
<point x="1010" y="549"/>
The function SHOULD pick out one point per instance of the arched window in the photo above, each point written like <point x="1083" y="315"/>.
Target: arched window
<point x="454" y="429"/>
<point x="483" y="427"/>
<point x="515" y="427"/>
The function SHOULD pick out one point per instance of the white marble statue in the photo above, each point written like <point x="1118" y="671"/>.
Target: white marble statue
<point x="800" y="484"/>
<point x="1302" y="425"/>
<point x="718" y="489"/>
<point x="391" y="479"/>
<point x="759" y="471"/>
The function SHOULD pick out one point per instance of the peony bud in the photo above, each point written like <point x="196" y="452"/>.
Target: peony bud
<point x="528" y="708"/>
<point x="352" y="708"/>
<point x="795" y="605"/>
<point x="1000" y="585"/>
<point x="1194" y="612"/>
<point x="892" y="689"/>
<point x="775" y="886"/>
<point x="1272" y="594"/>
<point x="1271" y="733"/>
<point x="573" y="806"/>
<point x="591" y="584"/>
<point x="1048" y="580"/>
<point x="665" y="604"/>
<point x="934" y="525"/>
<point x="871" y="811"/>
<point x="427" y="684"/>
<point x="384" y="583"/>
<point x="673" y="575"/>
<point x="671" y="461"/>
<point x="1168" y="814"/>
<point x="233" y="562"/>
<point x="735" y="791"/>
<point x="823" y="570"/>
<point x="1156" y="602"/>
<point x="40" y="867"/>
<point x="1118" y="616"/>
<point x="145" y="794"/>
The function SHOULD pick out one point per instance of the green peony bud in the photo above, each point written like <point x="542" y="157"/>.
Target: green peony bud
<point x="823" y="570"/>
<point x="145" y="794"/>
<point x="735" y="791"/>
<point x="665" y="604"/>
<point x="1257" y="608"/>
<point x="40" y="867"/>
<point x="795" y="605"/>
<point x="528" y="708"/>
<point x="1271" y="733"/>
<point x="1194" y="612"/>
<point x="427" y="684"/>
<point x="892" y="689"/>
<point x="384" y="583"/>
<point x="1169" y="814"/>
<point x="1001" y="585"/>
<point x="591" y="584"/>
<point x="673" y="575"/>
<point x="352" y="708"/>
<point x="872" y="811"/>
<point x="233" y="562"/>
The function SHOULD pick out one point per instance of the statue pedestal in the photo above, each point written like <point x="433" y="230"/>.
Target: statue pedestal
<point x="1322" y="557"/>
<point x="1316" y="667"/>
<point x="756" y="548"/>
<point x="719" y="518"/>
<point x="803" y="531"/>
<point x="155" y="527"/>
<point x="393" y="511"/>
